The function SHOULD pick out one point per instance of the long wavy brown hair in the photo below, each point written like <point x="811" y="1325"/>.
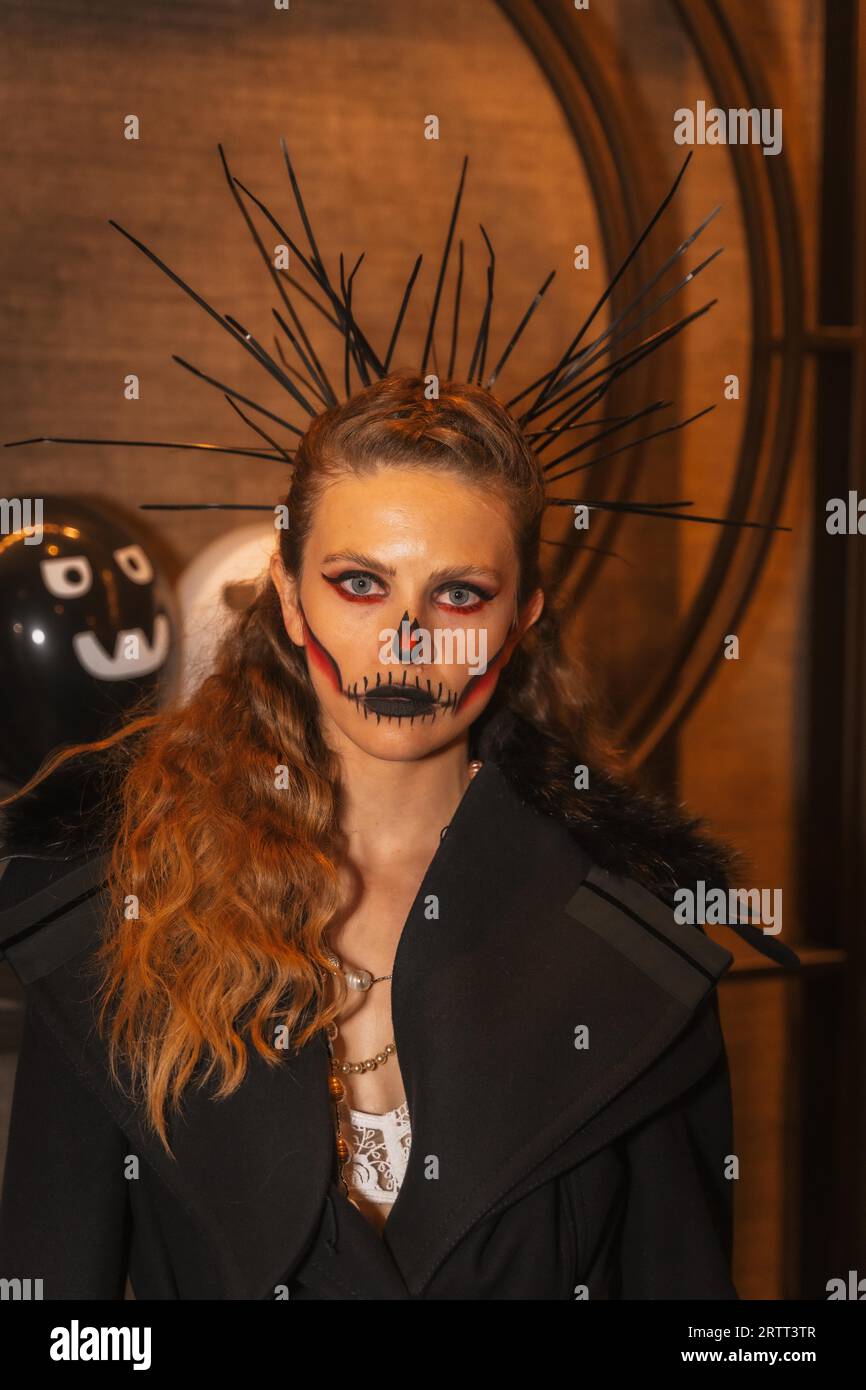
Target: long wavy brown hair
<point x="222" y="878"/>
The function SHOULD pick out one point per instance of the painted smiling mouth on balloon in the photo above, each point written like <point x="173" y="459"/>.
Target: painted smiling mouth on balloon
<point x="120" y="665"/>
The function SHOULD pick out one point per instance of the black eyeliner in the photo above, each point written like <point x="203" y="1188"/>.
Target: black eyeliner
<point x="351" y="574"/>
<point x="485" y="594"/>
<point x="476" y="589"/>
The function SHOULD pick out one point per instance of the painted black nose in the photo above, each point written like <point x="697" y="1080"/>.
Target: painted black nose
<point x="406" y="640"/>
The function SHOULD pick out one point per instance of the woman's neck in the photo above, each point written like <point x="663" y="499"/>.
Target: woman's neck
<point x="391" y="808"/>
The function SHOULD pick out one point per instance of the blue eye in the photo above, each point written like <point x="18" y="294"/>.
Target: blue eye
<point x="359" y="584"/>
<point x="355" y="584"/>
<point x="465" y="598"/>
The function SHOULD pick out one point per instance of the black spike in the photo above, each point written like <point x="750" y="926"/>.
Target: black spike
<point x="315" y="303"/>
<point x="455" y="322"/>
<point x="264" y="357"/>
<point x="643" y="439"/>
<point x="401" y="312"/>
<point x="513" y="340"/>
<point x="443" y="267"/>
<point x="305" y="381"/>
<point x="310" y="358"/>
<point x="353" y="335"/>
<point x="617" y="367"/>
<point x="228" y="390"/>
<point x="657" y="509"/>
<point x="256" y="428"/>
<point x="480" y="348"/>
<point x="603" y="434"/>
<point x="320" y="273"/>
<point x="273" y="369"/>
<point x="143" y="444"/>
<point x="272" y="271"/>
<point x="303" y="211"/>
<point x="552" y="376"/>
<point x="584" y="359"/>
<point x="313" y="271"/>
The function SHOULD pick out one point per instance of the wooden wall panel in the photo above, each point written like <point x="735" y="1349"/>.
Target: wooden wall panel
<point x="349" y="86"/>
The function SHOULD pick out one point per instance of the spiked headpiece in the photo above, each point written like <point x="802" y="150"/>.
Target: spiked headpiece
<point x="551" y="407"/>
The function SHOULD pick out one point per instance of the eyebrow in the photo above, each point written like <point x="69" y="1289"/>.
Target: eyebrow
<point x="446" y="572"/>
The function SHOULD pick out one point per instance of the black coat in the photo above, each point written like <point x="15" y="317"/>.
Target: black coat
<point x="539" y="1169"/>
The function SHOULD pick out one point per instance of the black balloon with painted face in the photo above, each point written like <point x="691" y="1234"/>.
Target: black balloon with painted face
<point x="87" y="627"/>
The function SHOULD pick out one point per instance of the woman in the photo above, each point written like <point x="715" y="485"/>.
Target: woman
<point x="367" y="983"/>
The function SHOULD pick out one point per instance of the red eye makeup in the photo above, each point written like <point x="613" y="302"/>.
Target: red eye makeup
<point x="367" y="590"/>
<point x="362" y="586"/>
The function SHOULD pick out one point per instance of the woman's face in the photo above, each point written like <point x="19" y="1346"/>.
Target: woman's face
<point x="406" y="608"/>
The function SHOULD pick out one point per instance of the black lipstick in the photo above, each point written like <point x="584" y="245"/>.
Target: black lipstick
<point x="399" y="701"/>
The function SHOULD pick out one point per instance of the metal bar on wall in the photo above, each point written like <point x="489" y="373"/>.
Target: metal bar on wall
<point x="831" y="821"/>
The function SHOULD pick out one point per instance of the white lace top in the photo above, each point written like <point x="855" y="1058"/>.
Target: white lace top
<point x="380" y="1151"/>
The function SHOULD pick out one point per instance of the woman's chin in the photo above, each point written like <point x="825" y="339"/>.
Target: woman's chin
<point x="401" y="739"/>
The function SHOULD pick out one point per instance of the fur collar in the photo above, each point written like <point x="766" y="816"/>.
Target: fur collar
<point x="624" y="830"/>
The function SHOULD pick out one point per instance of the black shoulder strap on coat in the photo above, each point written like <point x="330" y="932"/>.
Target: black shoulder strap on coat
<point x="684" y="962"/>
<point x="39" y="929"/>
<point x="690" y="941"/>
<point x="767" y="944"/>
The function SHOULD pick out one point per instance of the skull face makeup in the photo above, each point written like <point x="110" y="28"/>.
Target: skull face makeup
<point x="406" y="608"/>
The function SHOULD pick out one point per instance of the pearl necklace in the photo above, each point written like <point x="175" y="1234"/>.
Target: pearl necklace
<point x="361" y="980"/>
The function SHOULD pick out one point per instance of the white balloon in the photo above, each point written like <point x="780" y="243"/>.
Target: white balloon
<point x="210" y="591"/>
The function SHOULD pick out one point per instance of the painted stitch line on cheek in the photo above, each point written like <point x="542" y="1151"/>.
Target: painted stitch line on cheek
<point x="321" y="657"/>
<point x="481" y="684"/>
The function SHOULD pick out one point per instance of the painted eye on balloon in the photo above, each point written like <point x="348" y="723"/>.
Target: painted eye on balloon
<point x="67" y="576"/>
<point x="135" y="564"/>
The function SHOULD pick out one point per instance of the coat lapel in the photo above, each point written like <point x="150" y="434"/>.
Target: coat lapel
<point x="528" y="1007"/>
<point x="531" y="993"/>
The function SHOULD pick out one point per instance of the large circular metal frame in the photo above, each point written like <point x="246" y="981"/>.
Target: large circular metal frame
<point x="616" y="170"/>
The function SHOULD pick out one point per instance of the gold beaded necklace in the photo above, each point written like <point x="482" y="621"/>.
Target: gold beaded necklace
<point x="361" y="980"/>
